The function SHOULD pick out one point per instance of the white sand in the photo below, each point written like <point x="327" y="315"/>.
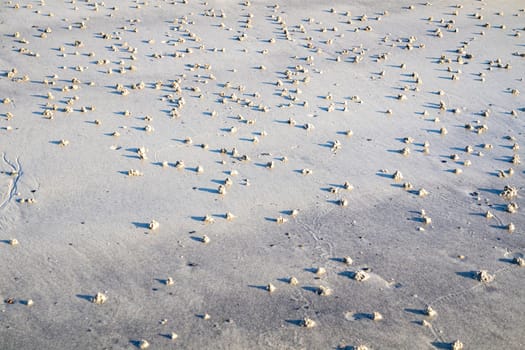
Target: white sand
<point x="83" y="225"/>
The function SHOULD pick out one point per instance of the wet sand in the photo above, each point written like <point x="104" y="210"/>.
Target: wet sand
<point x="168" y="167"/>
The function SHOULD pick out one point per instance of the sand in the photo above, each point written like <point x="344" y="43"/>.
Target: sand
<point x="368" y="138"/>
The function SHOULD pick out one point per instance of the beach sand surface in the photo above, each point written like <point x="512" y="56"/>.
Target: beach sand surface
<point x="186" y="159"/>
